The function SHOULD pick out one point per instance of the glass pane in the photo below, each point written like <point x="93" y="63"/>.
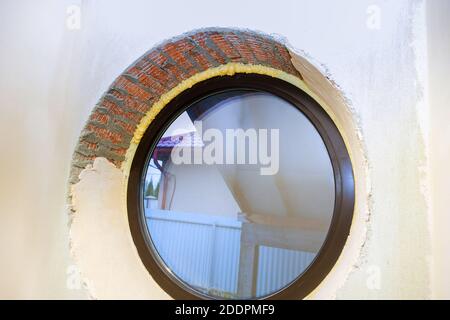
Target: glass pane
<point x="239" y="195"/>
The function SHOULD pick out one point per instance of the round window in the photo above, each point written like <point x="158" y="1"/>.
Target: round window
<point x="241" y="188"/>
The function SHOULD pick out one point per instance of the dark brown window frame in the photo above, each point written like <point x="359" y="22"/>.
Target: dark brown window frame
<point x="340" y="160"/>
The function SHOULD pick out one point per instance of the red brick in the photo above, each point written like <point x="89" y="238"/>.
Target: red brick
<point x="90" y="145"/>
<point x="100" y="117"/>
<point x="221" y="42"/>
<point x="200" y="39"/>
<point x="201" y="60"/>
<point x="176" y="51"/>
<point x="255" y="45"/>
<point x="128" y="127"/>
<point x="114" y="109"/>
<point x="132" y="88"/>
<point x="104" y="133"/>
<point x="147" y="81"/>
<point x="241" y="47"/>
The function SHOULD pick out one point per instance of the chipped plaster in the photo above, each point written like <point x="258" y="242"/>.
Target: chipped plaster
<point x="318" y="80"/>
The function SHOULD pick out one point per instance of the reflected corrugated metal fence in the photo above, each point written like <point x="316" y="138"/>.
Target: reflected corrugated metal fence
<point x="204" y="251"/>
<point x="278" y="267"/>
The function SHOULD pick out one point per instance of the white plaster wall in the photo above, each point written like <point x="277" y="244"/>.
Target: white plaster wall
<point x="51" y="77"/>
<point x="439" y="98"/>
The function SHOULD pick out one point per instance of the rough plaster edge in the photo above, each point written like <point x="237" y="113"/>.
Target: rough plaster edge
<point x="306" y="65"/>
<point x="85" y="282"/>
<point x="96" y="284"/>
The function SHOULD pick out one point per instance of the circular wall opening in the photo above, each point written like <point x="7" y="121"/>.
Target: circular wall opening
<point x="202" y="74"/>
<point x="241" y="188"/>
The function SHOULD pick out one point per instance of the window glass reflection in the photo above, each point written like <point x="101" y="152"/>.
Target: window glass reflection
<point x="239" y="195"/>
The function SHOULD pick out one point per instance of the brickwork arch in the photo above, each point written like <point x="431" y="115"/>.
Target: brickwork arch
<point x="116" y="117"/>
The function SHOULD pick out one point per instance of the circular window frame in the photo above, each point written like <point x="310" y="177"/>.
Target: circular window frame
<point x="341" y="221"/>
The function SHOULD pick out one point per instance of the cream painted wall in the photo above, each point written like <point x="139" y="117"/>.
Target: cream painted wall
<point x="51" y="77"/>
<point x="439" y="135"/>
